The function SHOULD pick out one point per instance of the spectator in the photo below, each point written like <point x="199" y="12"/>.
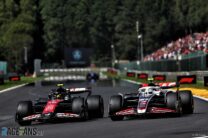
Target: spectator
<point x="182" y="46"/>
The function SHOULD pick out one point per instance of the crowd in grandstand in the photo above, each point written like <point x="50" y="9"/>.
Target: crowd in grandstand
<point x="183" y="46"/>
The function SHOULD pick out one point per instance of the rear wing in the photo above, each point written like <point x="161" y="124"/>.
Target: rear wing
<point x="79" y="90"/>
<point x="163" y="85"/>
<point x="167" y="85"/>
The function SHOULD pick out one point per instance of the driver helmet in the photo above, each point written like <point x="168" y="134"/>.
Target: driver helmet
<point x="60" y="88"/>
<point x="150" y="82"/>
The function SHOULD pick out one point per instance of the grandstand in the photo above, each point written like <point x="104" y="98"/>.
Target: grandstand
<point x="193" y="44"/>
<point x="189" y="53"/>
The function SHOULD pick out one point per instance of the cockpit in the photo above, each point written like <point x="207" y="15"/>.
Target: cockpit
<point x="148" y="91"/>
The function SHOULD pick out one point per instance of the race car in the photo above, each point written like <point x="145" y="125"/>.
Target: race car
<point x="92" y="77"/>
<point x="61" y="104"/>
<point x="153" y="99"/>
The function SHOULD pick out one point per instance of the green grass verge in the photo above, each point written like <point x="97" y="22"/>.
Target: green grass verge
<point x="8" y="84"/>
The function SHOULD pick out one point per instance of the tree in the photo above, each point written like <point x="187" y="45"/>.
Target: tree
<point x="45" y="27"/>
<point x="18" y="31"/>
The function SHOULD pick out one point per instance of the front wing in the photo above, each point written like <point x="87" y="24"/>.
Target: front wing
<point x="50" y="116"/>
<point x="131" y="111"/>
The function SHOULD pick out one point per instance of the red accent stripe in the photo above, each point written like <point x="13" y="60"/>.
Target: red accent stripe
<point x="161" y="110"/>
<point x="144" y="85"/>
<point x="51" y="106"/>
<point x="128" y="111"/>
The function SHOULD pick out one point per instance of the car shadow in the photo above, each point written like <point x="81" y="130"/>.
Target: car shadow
<point x="161" y="116"/>
<point x="64" y="121"/>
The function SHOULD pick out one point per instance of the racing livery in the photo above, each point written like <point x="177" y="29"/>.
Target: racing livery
<point x="151" y="99"/>
<point x="61" y="104"/>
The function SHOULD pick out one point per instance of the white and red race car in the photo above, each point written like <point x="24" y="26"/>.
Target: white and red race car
<point x="151" y="99"/>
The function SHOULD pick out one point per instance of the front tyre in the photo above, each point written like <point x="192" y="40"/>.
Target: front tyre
<point x="115" y="105"/>
<point x="24" y="108"/>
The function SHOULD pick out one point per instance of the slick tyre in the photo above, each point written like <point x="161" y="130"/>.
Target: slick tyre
<point x="187" y="101"/>
<point x="174" y="103"/>
<point x="24" y="108"/>
<point x="115" y="104"/>
<point x="78" y="107"/>
<point x="95" y="106"/>
<point x="171" y="100"/>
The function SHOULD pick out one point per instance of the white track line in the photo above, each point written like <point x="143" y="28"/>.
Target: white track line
<point x="134" y="82"/>
<point x="201" y="137"/>
<point x="131" y="81"/>
<point x="12" y="88"/>
<point x="202" y="98"/>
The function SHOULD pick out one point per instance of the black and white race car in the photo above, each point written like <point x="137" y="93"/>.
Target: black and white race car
<point x="152" y="99"/>
<point x="61" y="104"/>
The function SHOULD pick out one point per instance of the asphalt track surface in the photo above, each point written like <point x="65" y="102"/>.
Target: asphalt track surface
<point x="187" y="126"/>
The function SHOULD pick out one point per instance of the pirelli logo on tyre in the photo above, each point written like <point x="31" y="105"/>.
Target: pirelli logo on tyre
<point x="190" y="79"/>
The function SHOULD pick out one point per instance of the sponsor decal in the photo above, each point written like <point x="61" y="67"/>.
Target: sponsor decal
<point x="21" y="131"/>
<point x="77" y="89"/>
<point x="142" y="76"/>
<point x="51" y="106"/>
<point x="77" y="54"/>
<point x="66" y="115"/>
<point x="14" y="78"/>
<point x="142" y="104"/>
<point x="130" y="74"/>
<point x="129" y="111"/>
<point x="159" y="77"/>
<point x="77" y="57"/>
<point x="191" y="79"/>
<point x="167" y="84"/>
<point x="161" y="110"/>
<point x="31" y="117"/>
<point x="186" y="80"/>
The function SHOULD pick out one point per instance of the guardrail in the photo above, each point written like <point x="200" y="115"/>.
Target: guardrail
<point x="198" y="62"/>
<point x="172" y="75"/>
<point x="73" y="70"/>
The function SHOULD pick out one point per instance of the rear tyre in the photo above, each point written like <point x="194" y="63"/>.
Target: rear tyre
<point x="187" y="101"/>
<point x="95" y="106"/>
<point x="174" y="103"/>
<point x="78" y="107"/>
<point x="115" y="105"/>
<point x="24" y="108"/>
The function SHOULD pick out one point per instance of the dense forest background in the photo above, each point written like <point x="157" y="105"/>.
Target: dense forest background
<point x="45" y="27"/>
